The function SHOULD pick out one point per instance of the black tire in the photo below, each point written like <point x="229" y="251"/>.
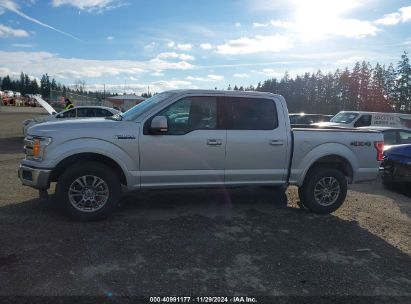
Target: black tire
<point x="313" y="179"/>
<point x="90" y="170"/>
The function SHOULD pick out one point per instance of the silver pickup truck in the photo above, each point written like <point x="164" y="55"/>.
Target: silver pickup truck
<point x="195" y="138"/>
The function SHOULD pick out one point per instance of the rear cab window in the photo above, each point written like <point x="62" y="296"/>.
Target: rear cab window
<point x="246" y="113"/>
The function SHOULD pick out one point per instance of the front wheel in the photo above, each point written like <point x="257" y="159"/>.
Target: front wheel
<point x="324" y="190"/>
<point x="88" y="191"/>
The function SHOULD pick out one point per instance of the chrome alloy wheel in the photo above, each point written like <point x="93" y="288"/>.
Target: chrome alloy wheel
<point x="326" y="191"/>
<point x="88" y="193"/>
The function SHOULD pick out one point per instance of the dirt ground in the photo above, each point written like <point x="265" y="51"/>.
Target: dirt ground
<point x="249" y="242"/>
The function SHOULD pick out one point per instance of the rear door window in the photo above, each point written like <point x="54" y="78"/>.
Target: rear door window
<point x="251" y="114"/>
<point x="405" y="137"/>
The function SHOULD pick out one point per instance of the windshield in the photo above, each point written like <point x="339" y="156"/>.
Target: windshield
<point x="344" y="118"/>
<point x="146" y="105"/>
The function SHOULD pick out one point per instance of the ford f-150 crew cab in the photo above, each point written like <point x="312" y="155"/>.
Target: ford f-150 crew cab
<point x="195" y="138"/>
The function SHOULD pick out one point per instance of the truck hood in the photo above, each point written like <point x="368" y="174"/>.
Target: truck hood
<point x="44" y="104"/>
<point x="331" y="124"/>
<point x="47" y="128"/>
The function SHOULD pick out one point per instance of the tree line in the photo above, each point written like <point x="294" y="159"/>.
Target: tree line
<point x="363" y="88"/>
<point x="25" y="85"/>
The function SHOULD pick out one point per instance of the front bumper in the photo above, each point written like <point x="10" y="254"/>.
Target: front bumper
<point x="35" y="177"/>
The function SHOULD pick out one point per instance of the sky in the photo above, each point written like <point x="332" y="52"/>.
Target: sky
<point x="132" y="46"/>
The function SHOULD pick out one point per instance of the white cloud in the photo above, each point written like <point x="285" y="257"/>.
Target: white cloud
<point x="258" y="44"/>
<point x="243" y="75"/>
<point x="151" y="45"/>
<point x="184" y="47"/>
<point x="157" y="74"/>
<point x="209" y="78"/>
<point x="271" y="73"/>
<point x="179" y="46"/>
<point x="21" y="45"/>
<point x="403" y="15"/>
<point x="237" y="24"/>
<point x="91" y="6"/>
<point x="215" y="77"/>
<point x="349" y="60"/>
<point x="155" y="86"/>
<point x="275" y="23"/>
<point x="13" y="7"/>
<point x="6" y="31"/>
<point x="206" y="46"/>
<point x="37" y="63"/>
<point x="175" y="55"/>
<point x="280" y="23"/>
<point x="110" y="38"/>
<point x="257" y="24"/>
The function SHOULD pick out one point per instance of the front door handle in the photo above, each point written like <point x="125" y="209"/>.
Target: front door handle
<point x="277" y="142"/>
<point x="214" y="142"/>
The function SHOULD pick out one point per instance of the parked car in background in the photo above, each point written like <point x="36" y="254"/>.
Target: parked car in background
<point x="397" y="165"/>
<point x="356" y="119"/>
<point x="308" y="119"/>
<point x="76" y="112"/>
<point x="392" y="136"/>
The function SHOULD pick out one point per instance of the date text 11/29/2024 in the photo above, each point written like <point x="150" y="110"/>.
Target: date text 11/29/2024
<point x="236" y="299"/>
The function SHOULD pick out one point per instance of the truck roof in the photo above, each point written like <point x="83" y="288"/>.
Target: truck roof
<point x="225" y="92"/>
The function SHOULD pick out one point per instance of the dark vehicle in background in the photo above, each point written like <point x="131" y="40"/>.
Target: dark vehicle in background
<point x="397" y="166"/>
<point x="308" y="119"/>
<point x="392" y="136"/>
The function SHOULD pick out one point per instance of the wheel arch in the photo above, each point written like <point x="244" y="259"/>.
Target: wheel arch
<point x="88" y="156"/>
<point x="333" y="161"/>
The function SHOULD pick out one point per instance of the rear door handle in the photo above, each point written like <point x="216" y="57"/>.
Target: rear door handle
<point x="214" y="142"/>
<point x="276" y="142"/>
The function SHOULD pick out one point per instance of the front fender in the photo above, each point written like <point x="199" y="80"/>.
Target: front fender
<point x="90" y="145"/>
<point x="300" y="167"/>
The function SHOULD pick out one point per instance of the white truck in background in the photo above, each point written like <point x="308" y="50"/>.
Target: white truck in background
<point x="356" y="119"/>
<point x="195" y="139"/>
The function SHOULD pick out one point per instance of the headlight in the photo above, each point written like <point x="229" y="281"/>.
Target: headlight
<point x="35" y="147"/>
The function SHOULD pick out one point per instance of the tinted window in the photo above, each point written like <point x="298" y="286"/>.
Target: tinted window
<point x="191" y="113"/>
<point x="252" y="114"/>
<point x="390" y="137"/>
<point x="405" y="137"/>
<point x="86" y="112"/>
<point x="363" y="121"/>
<point x="102" y="113"/>
<point x="67" y="114"/>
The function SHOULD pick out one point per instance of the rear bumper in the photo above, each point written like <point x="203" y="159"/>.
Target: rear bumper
<point x="34" y="177"/>
<point x="396" y="172"/>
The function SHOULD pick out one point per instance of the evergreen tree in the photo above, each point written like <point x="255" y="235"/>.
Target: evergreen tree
<point x="403" y="84"/>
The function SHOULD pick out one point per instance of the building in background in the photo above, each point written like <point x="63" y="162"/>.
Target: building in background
<point x="123" y="102"/>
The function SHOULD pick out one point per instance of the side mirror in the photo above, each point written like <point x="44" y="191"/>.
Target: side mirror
<point x="159" y="124"/>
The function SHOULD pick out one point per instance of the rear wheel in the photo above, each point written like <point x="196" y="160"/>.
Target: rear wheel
<point x="324" y="190"/>
<point x="88" y="191"/>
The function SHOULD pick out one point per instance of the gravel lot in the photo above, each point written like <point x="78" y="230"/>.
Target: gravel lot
<point x="216" y="242"/>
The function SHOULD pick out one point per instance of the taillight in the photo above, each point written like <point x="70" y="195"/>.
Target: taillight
<point x="379" y="145"/>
